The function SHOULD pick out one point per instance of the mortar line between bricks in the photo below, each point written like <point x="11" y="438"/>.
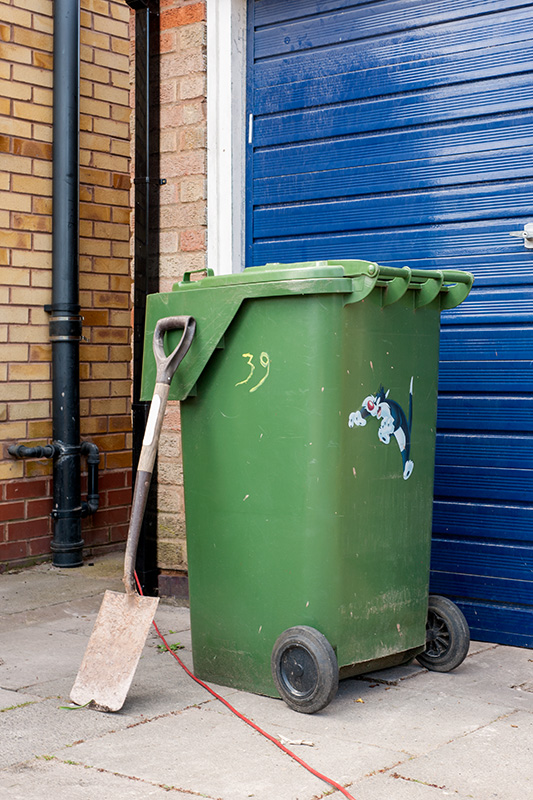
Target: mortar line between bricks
<point x="102" y="770"/>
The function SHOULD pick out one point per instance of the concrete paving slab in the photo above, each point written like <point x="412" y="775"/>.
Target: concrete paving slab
<point x="38" y="654"/>
<point x="209" y="750"/>
<point x="399" y="718"/>
<point x="38" y="588"/>
<point x="10" y="699"/>
<point x="39" y="779"/>
<point x="502" y="675"/>
<point x="43" y="728"/>
<point x="495" y="761"/>
<point x="392" y="786"/>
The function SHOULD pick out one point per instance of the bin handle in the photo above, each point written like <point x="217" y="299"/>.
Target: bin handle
<point x="461" y="283"/>
<point x="429" y="289"/>
<point x="187" y="275"/>
<point x="397" y="287"/>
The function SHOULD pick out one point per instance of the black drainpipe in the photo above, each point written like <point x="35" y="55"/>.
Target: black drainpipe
<point x="65" y="319"/>
<point x="146" y="250"/>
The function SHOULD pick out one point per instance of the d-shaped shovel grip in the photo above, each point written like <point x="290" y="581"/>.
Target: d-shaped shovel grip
<point x="166" y="367"/>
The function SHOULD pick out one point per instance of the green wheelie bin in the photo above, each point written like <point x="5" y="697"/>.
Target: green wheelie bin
<point x="309" y="399"/>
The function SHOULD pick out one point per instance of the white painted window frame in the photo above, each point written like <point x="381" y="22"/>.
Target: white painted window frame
<point x="226" y="134"/>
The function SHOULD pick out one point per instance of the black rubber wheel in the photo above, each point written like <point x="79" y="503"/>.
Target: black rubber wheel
<point x="447" y="636"/>
<point x="305" y="669"/>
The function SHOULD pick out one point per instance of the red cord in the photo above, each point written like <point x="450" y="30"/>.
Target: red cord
<point x="245" y="719"/>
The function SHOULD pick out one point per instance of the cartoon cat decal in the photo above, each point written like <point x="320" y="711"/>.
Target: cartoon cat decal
<point x="393" y="422"/>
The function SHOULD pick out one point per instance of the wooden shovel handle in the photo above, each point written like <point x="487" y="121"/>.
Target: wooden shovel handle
<point x="166" y="367"/>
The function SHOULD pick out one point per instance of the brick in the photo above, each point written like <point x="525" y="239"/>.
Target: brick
<point x="105" y="58"/>
<point x="94" y="39"/>
<point x="92" y="141"/>
<point x="109" y="405"/>
<point x="31" y="185"/>
<point x="111" y="127"/>
<point x="11" y="511"/>
<point x="13" y="163"/>
<point x="40" y="390"/>
<point x="118" y="268"/>
<point x="113" y="480"/>
<point x="94" y="389"/>
<point x="40" y="352"/>
<point x="112" y="441"/>
<point x="11" y="469"/>
<point x="43" y="60"/>
<point x="113" y="371"/>
<point x="120" y="147"/>
<point x="40" y="297"/>
<point x="28" y="529"/>
<point x="111" y="300"/>
<point x="120" y="283"/>
<point x="15" y="314"/>
<point x="13" y="352"/>
<point x="32" y="149"/>
<point x="32" y="111"/>
<point x="42" y="96"/>
<point x="118" y="497"/>
<point x="43" y="24"/>
<point x="40" y="429"/>
<point x="120" y="249"/>
<point x="110" y="162"/>
<point x="12" y="551"/>
<point x="33" y="39"/>
<point x="186" y="15"/>
<point x="92" y="425"/>
<point x="15" y="202"/>
<point x="27" y="489"/>
<point x="119" y="423"/>
<point x="42" y="205"/>
<point x="16" y="15"/>
<point x="93" y="353"/>
<point x="118" y="460"/>
<point x="121" y="389"/>
<point x="31" y="222"/>
<point x="16" y="391"/>
<point x="15" y="127"/>
<point x="40" y="546"/>
<point x="192" y="240"/>
<point x="95" y="247"/>
<point x="93" y="73"/>
<point x="95" y="317"/>
<point x="38" y="508"/>
<point x="110" y="336"/>
<point x="15" y="276"/>
<point x="16" y="53"/>
<point x="29" y="410"/>
<point x="38" y="468"/>
<point x="119" y="353"/>
<point x="95" y="212"/>
<point x="112" y="94"/>
<point x="94" y="176"/>
<point x="13" y="430"/>
<point x="19" y="91"/>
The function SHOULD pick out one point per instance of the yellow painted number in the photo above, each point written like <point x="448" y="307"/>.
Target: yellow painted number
<point x="264" y="360"/>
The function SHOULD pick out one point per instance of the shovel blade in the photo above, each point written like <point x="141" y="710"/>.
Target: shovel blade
<point x="113" y="651"/>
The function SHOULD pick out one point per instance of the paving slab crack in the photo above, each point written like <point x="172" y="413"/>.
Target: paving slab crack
<point x="167" y="787"/>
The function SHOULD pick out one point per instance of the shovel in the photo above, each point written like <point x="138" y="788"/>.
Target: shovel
<point x="123" y="622"/>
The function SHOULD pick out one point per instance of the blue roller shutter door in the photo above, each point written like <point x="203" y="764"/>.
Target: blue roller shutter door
<point x="401" y="131"/>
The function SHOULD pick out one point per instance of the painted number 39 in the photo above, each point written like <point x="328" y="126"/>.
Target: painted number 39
<point x="264" y="360"/>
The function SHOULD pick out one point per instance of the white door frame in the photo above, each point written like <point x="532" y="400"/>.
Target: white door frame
<point x="226" y="134"/>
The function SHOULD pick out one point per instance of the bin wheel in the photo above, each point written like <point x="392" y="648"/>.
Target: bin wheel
<point x="447" y="636"/>
<point x="305" y="669"/>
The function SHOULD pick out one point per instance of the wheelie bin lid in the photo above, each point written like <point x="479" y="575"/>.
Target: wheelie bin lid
<point x="214" y="300"/>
